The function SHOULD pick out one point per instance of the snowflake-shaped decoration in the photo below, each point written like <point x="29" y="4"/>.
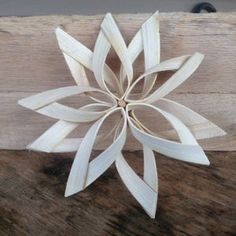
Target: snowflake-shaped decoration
<point x="188" y="125"/>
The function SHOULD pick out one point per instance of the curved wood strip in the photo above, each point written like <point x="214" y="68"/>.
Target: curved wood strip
<point x="101" y="49"/>
<point x="142" y="192"/>
<point x="62" y="112"/>
<point x="42" y="99"/>
<point x="200" y="127"/>
<point x="171" y="64"/>
<point x="151" y="48"/>
<point x="178" y="78"/>
<point x="81" y="169"/>
<point x="188" y="151"/>
<point x="114" y="36"/>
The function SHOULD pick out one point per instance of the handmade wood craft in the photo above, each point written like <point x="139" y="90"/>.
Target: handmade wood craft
<point x="115" y="98"/>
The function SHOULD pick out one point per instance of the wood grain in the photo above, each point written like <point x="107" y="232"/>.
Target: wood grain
<point x="193" y="200"/>
<point x="30" y="62"/>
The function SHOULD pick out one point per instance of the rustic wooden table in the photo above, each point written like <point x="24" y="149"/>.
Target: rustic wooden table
<point x="193" y="200"/>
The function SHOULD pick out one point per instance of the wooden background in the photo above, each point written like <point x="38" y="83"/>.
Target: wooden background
<point x="31" y="62"/>
<point x="193" y="200"/>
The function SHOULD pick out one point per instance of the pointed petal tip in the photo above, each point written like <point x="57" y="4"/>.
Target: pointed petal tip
<point x="58" y="30"/>
<point x="108" y="14"/>
<point x="221" y="132"/>
<point x="24" y="102"/>
<point x="204" y="161"/>
<point x="31" y="147"/>
<point x="207" y="162"/>
<point x="21" y="102"/>
<point x="70" y="191"/>
<point x="60" y="33"/>
<point x="28" y="147"/>
<point x="201" y="159"/>
<point x="200" y="55"/>
<point x="154" y="17"/>
<point x="67" y="194"/>
<point x="152" y="211"/>
<point x="153" y="216"/>
<point x="156" y="13"/>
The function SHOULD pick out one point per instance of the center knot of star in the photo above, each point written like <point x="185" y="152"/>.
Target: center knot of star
<point x="121" y="103"/>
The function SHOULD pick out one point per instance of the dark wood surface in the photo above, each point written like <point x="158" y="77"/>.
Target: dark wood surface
<point x="193" y="200"/>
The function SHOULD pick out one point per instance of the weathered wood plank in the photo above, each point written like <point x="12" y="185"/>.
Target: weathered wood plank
<point x="30" y="62"/>
<point x="193" y="200"/>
